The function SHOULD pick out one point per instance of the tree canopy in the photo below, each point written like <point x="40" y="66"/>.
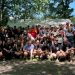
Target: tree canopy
<point x="23" y="9"/>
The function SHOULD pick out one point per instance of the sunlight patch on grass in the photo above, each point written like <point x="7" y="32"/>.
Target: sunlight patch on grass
<point x="6" y="68"/>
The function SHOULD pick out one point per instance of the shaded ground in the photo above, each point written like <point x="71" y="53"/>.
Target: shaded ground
<point x="36" y="68"/>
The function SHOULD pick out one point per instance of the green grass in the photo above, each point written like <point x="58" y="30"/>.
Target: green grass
<point x="39" y="68"/>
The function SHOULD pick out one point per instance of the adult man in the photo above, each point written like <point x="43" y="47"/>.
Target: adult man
<point x="29" y="47"/>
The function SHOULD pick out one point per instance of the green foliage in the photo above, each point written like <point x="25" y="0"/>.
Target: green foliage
<point x="63" y="9"/>
<point x="3" y="13"/>
<point x="72" y="19"/>
<point x="50" y="8"/>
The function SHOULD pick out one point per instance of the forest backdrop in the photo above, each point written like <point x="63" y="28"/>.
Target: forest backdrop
<point x="34" y="9"/>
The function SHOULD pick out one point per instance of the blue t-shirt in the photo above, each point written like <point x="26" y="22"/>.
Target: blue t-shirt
<point x="29" y="47"/>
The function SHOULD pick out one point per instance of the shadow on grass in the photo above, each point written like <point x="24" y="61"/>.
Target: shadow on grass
<point x="40" y="68"/>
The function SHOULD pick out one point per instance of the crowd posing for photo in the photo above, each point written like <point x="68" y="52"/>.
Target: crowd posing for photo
<point x="42" y="42"/>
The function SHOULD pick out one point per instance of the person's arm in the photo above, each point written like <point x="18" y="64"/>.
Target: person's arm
<point x="51" y="49"/>
<point x="24" y="48"/>
<point x="6" y="50"/>
<point x="71" y="49"/>
<point x="31" y="51"/>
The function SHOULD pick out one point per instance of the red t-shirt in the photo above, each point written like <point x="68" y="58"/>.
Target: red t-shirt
<point x="33" y="32"/>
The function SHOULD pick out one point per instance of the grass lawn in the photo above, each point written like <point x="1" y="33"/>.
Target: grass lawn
<point x="36" y="68"/>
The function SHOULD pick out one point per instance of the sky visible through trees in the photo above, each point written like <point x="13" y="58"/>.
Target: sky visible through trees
<point x="72" y="5"/>
<point x="24" y="9"/>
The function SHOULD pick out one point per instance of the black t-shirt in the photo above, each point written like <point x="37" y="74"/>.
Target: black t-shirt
<point x="1" y="47"/>
<point x="54" y="48"/>
<point x="14" y="49"/>
<point x="66" y="46"/>
<point x="2" y="36"/>
<point x="45" y="47"/>
<point x="8" y="46"/>
<point x="37" y="46"/>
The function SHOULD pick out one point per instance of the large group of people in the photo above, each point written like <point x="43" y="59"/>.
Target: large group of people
<point x="38" y="41"/>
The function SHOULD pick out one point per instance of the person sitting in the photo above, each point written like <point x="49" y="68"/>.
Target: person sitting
<point x="66" y="47"/>
<point x="1" y="54"/>
<point x="7" y="50"/>
<point x="29" y="47"/>
<point x="54" y="49"/>
<point x="61" y="55"/>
